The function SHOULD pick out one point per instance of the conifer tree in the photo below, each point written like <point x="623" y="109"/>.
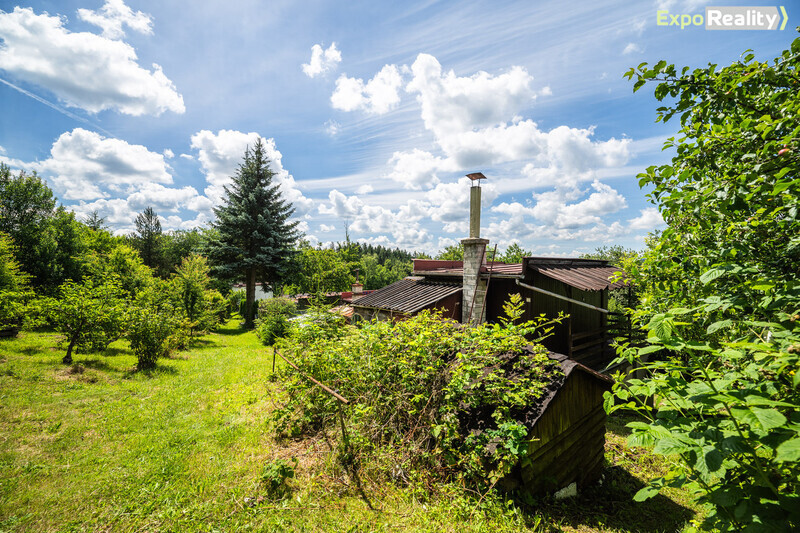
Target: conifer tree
<point x="147" y="237"/>
<point x="255" y="238"/>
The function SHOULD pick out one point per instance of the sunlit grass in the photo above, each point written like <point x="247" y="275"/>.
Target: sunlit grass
<point x="99" y="446"/>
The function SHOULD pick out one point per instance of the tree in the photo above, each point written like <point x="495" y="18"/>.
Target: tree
<point x="84" y="309"/>
<point x="14" y="291"/>
<point x="720" y="293"/>
<point x="95" y="222"/>
<point x="190" y="284"/>
<point x="514" y="254"/>
<point x="147" y="237"/>
<point x="454" y="252"/>
<point x="255" y="234"/>
<point x="320" y="271"/>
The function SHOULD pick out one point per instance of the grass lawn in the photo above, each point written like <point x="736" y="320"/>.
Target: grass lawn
<point x="101" y="447"/>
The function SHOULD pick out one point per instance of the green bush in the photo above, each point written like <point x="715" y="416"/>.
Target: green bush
<point x="150" y="333"/>
<point x="273" y="319"/>
<point x="410" y="383"/>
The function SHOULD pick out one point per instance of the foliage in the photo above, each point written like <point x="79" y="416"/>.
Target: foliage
<point x="14" y="291"/>
<point x="408" y="383"/>
<point x="273" y="318"/>
<point x="190" y="286"/>
<point x="89" y="313"/>
<point x="154" y="325"/>
<point x="235" y="300"/>
<point x="147" y="237"/>
<point x="275" y="477"/>
<point x="255" y="235"/>
<point x="95" y="222"/>
<point x="375" y="275"/>
<point x="514" y="254"/>
<point x="320" y="271"/>
<point x="454" y="252"/>
<point x="721" y="300"/>
<point x="111" y="258"/>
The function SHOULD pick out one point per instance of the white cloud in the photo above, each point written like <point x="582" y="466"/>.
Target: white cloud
<point x="187" y="156"/>
<point x="341" y="205"/>
<point x="365" y="189"/>
<point x="322" y="61"/>
<point x="83" y="164"/>
<point x="332" y="128"/>
<point x="325" y="228"/>
<point x="450" y="203"/>
<point x="630" y="48"/>
<point x="169" y="154"/>
<point x="452" y="104"/>
<point x="220" y="155"/>
<point x="648" y="219"/>
<point x="163" y="198"/>
<point x="416" y="169"/>
<point x="114" y="15"/>
<point x="378" y="96"/>
<point x="82" y="69"/>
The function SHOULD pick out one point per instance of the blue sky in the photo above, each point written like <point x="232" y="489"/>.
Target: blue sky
<point x="372" y="111"/>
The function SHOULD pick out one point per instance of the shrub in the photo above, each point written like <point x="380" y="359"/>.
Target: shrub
<point x="275" y="477"/>
<point x="235" y="301"/>
<point x="150" y="333"/>
<point x="273" y="322"/>
<point x="414" y="387"/>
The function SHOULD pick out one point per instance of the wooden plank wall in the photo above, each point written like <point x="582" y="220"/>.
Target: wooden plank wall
<point x="570" y="437"/>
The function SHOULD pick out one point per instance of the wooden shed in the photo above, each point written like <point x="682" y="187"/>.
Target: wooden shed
<point x="575" y="287"/>
<point x="568" y="433"/>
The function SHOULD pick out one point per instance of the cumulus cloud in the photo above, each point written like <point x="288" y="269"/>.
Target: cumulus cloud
<point x="416" y="169"/>
<point x="82" y="69"/>
<point x="325" y="228"/>
<point x="378" y="96"/>
<point x="648" y="220"/>
<point x="114" y="15"/>
<point x="221" y="153"/>
<point x="322" y="61"/>
<point x="365" y="189"/>
<point x="83" y="164"/>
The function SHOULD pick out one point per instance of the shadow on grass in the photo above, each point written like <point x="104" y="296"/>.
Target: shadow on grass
<point x="611" y="506"/>
<point x="150" y="373"/>
<point x="231" y="331"/>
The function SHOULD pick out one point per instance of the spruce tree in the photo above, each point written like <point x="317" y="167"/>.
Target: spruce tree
<point x="147" y="237"/>
<point x="256" y="238"/>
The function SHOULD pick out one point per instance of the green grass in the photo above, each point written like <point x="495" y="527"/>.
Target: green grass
<point x="101" y="447"/>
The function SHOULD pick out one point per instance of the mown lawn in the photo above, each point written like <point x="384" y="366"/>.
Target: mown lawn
<point x="101" y="447"/>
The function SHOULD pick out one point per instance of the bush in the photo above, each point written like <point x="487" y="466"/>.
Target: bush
<point x="150" y="333"/>
<point x="416" y="387"/>
<point x="273" y="319"/>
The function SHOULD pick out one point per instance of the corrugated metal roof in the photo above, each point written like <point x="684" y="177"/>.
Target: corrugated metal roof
<point x="456" y="268"/>
<point x="408" y="295"/>
<point x="593" y="278"/>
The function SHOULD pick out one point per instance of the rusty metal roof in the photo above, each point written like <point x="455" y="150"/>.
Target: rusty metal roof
<point x="408" y="295"/>
<point x="588" y="278"/>
<point x="456" y="268"/>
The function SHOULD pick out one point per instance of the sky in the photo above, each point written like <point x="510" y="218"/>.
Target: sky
<point x="372" y="112"/>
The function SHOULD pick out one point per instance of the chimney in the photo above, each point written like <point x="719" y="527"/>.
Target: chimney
<point x="357" y="287"/>
<point x="474" y="288"/>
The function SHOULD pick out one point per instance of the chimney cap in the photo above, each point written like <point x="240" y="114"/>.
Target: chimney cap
<point x="476" y="176"/>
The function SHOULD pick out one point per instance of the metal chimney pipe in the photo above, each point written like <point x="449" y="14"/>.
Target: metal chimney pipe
<point x="474" y="212"/>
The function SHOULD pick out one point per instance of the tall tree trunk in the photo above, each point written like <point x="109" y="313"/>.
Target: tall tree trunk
<point x="250" y="298"/>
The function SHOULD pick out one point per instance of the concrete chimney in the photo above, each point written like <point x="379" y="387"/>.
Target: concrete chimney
<point x="474" y="288"/>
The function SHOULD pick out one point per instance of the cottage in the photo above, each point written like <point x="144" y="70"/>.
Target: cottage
<point x="474" y="290"/>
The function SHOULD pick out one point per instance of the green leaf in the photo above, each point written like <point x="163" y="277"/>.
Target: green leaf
<point x="645" y="493"/>
<point x="718" y="325"/>
<point x="670" y="446"/>
<point x="711" y="275"/>
<point x="758" y="418"/>
<point x="789" y="451"/>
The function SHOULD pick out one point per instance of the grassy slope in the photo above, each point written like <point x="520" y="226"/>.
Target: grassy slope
<point x="103" y="448"/>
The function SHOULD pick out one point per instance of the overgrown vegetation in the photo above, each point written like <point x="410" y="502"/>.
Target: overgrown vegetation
<point x="721" y="296"/>
<point x="426" y="393"/>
